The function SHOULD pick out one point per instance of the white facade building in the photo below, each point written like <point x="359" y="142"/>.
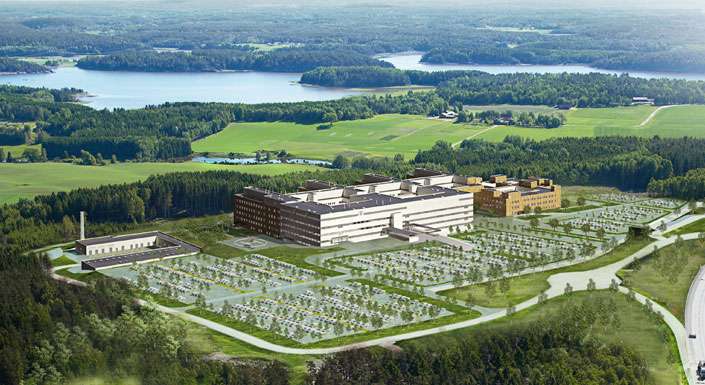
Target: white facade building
<point x="368" y="211"/>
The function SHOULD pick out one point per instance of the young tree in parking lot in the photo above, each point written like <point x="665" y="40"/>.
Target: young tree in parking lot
<point x="534" y="223"/>
<point x="585" y="228"/>
<point x="554" y="223"/>
<point x="600" y="232"/>
<point x="567" y="227"/>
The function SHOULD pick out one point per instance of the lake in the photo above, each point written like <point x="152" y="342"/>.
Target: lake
<point x="137" y="89"/>
<point x="411" y="61"/>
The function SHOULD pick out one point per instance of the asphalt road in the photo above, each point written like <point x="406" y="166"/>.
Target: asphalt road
<point x="695" y="324"/>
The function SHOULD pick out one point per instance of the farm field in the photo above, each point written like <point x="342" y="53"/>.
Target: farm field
<point x="29" y="179"/>
<point x="386" y="135"/>
<point x="674" y="121"/>
<point x="380" y="135"/>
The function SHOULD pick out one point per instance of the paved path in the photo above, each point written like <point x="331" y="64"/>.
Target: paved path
<point x="653" y="114"/>
<point x="456" y="144"/>
<point x="61" y="278"/>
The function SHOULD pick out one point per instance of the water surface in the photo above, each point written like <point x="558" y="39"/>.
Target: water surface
<point x="411" y="61"/>
<point x="111" y="89"/>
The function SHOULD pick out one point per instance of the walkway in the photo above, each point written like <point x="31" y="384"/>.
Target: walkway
<point x="653" y="114"/>
<point x="458" y="143"/>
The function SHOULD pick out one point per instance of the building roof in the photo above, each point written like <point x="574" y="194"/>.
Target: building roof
<point x="116" y="238"/>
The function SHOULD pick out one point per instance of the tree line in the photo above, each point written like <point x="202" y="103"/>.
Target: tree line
<point x="295" y="59"/>
<point x="555" y="349"/>
<point x="481" y="88"/>
<point x="54" y="333"/>
<point x="624" y="162"/>
<point x="690" y="186"/>
<point x="522" y="119"/>
<point x="33" y="223"/>
<point x="15" y="66"/>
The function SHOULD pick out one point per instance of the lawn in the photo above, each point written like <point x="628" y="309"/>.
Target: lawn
<point x="208" y="341"/>
<point x="637" y="330"/>
<point x="695" y="227"/>
<point x="666" y="277"/>
<point x="17" y="151"/>
<point x="528" y="286"/>
<point x="29" y="179"/>
<point x="669" y="122"/>
<point x="378" y="136"/>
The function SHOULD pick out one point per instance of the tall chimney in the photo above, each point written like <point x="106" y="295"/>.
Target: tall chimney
<point x="83" y="225"/>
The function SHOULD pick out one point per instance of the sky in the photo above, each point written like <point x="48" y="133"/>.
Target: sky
<point x="639" y="4"/>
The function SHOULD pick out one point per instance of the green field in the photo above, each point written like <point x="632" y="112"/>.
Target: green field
<point x="669" y="122"/>
<point x="666" y="277"/>
<point x="380" y="135"/>
<point x="406" y="134"/>
<point x="17" y="151"/>
<point x="29" y="179"/>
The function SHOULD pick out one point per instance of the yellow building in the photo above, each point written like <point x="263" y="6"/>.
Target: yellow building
<point x="507" y="197"/>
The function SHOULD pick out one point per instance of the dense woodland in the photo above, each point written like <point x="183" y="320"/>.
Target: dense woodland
<point x="689" y="186"/>
<point x="51" y="333"/>
<point x="166" y="131"/>
<point x="280" y="60"/>
<point x="14" y="66"/>
<point x="558" y="349"/>
<point x="630" y="39"/>
<point x="625" y="162"/>
<point x="478" y="88"/>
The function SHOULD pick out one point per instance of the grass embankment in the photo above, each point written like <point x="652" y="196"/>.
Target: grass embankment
<point x="378" y="136"/>
<point x="695" y="227"/>
<point x="666" y="275"/>
<point x="527" y="286"/>
<point x="208" y="341"/>
<point x="25" y="180"/>
<point x="297" y="256"/>
<point x="62" y="261"/>
<point x="637" y="330"/>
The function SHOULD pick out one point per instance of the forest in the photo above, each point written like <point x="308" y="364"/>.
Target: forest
<point x="629" y="39"/>
<point x="481" y="88"/>
<point x="558" y="349"/>
<point x="628" y="163"/>
<point x="279" y="60"/>
<point x="690" y="186"/>
<point x="54" y="332"/>
<point x="14" y="66"/>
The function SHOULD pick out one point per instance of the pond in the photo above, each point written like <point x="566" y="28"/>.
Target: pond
<point x="205" y="159"/>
